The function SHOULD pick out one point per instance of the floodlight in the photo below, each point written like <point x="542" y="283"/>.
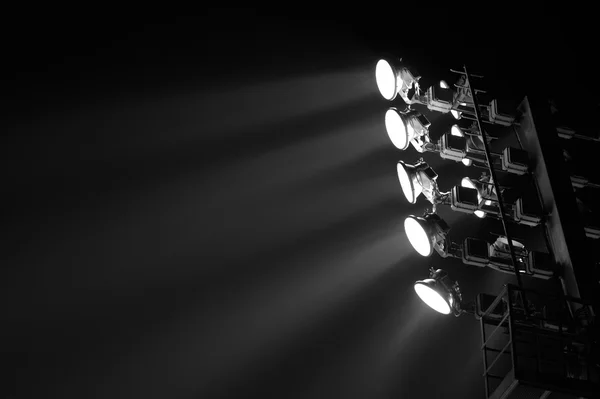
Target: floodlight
<point x="416" y="179"/>
<point x="404" y="127"/>
<point x="394" y="78"/>
<point x="386" y="76"/>
<point x="408" y="180"/>
<point x="397" y="129"/>
<point x="467" y="161"/>
<point x="455" y="130"/>
<point x="444" y="85"/>
<point x="434" y="297"/>
<point x="439" y="292"/>
<point x="456" y="114"/>
<point x="426" y="233"/>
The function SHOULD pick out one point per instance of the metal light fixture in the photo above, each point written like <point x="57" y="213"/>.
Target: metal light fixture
<point x="405" y="128"/>
<point x="439" y="292"/>
<point x="427" y="233"/>
<point x="394" y="78"/>
<point x="419" y="179"/>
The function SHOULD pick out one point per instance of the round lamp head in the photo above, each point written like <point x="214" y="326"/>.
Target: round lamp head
<point x="434" y="296"/>
<point x="397" y="128"/>
<point x="407" y="175"/>
<point x="418" y="233"/>
<point x="387" y="79"/>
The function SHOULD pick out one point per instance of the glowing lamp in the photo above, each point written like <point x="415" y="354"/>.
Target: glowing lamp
<point x="402" y="128"/>
<point x="434" y="297"/>
<point x="413" y="177"/>
<point x="386" y="76"/>
<point x="439" y="292"/>
<point x="424" y="232"/>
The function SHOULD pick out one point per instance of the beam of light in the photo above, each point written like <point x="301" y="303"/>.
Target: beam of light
<point x="105" y="161"/>
<point x="260" y="323"/>
<point x="195" y="112"/>
<point x="100" y="264"/>
<point x="367" y="322"/>
<point x="116" y="250"/>
<point x="407" y="346"/>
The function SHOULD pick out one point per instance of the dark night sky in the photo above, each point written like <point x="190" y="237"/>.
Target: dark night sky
<point x="207" y="207"/>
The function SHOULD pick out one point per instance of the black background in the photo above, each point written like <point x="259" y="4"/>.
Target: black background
<point x="207" y="206"/>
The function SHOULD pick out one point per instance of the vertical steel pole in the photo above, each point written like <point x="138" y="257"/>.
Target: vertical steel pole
<point x="488" y="158"/>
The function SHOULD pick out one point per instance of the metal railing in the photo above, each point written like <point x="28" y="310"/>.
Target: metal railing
<point x="548" y="347"/>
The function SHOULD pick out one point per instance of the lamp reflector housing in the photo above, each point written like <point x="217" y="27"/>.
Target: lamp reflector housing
<point x="434" y="296"/>
<point x="407" y="175"/>
<point x="418" y="234"/>
<point x="386" y="77"/>
<point x="424" y="232"/>
<point x="398" y="129"/>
